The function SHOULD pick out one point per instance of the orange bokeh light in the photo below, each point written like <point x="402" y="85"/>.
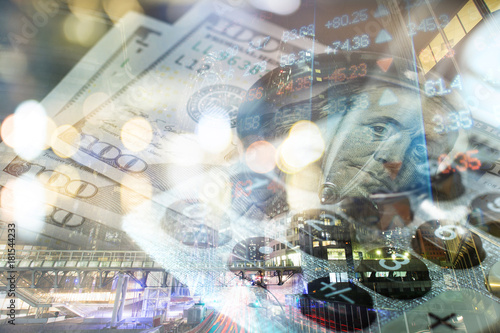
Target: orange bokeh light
<point x="261" y="157"/>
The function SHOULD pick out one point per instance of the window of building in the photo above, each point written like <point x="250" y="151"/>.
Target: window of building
<point x="336" y="254"/>
<point x="338" y="277"/>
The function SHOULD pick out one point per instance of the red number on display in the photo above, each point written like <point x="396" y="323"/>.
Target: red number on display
<point x="300" y="83"/>
<point x="273" y="186"/>
<point x="462" y="161"/>
<point x="355" y="71"/>
<point x="474" y="163"/>
<point x="363" y="70"/>
<point x="254" y="93"/>
<point x="285" y="87"/>
<point x="240" y="188"/>
<point x="444" y="158"/>
<point x="303" y="83"/>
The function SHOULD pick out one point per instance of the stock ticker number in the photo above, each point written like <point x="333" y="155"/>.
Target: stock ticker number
<point x="253" y="94"/>
<point x="428" y="24"/>
<point x="289" y="35"/>
<point x="294" y="85"/>
<point x="461" y="162"/>
<point x="453" y="122"/>
<point x="258" y="44"/>
<point x="292" y="59"/>
<point x="438" y="87"/>
<point x="256" y="68"/>
<point x="355" y="103"/>
<point x="343" y="74"/>
<point x="252" y="122"/>
<point x="250" y="69"/>
<point x="336" y="105"/>
<point x="350" y="44"/>
<point x="346" y="19"/>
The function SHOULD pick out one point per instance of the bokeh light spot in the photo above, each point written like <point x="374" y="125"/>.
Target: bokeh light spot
<point x="25" y="199"/>
<point x="214" y="133"/>
<point x="303" y="146"/>
<point x="118" y="8"/>
<point x="66" y="146"/>
<point x="136" y="134"/>
<point x="261" y="157"/>
<point x="83" y="30"/>
<point x="280" y="7"/>
<point x="29" y="130"/>
<point x="7" y="130"/>
<point x="94" y="101"/>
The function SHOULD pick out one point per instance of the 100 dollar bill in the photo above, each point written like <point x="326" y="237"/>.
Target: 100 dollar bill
<point x="206" y="73"/>
<point x="72" y="187"/>
<point x="125" y="51"/>
<point x="80" y="193"/>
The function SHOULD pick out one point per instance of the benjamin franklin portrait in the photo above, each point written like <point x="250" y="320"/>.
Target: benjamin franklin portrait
<point x="379" y="130"/>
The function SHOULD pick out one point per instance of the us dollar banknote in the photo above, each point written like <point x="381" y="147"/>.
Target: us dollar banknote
<point x="125" y="51"/>
<point x="71" y="187"/>
<point x="204" y="76"/>
<point x="81" y="193"/>
<point x="86" y="193"/>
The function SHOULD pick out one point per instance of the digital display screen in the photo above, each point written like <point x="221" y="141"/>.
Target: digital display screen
<point x="250" y="165"/>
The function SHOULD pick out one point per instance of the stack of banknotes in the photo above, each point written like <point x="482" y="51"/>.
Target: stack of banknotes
<point x="126" y="125"/>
